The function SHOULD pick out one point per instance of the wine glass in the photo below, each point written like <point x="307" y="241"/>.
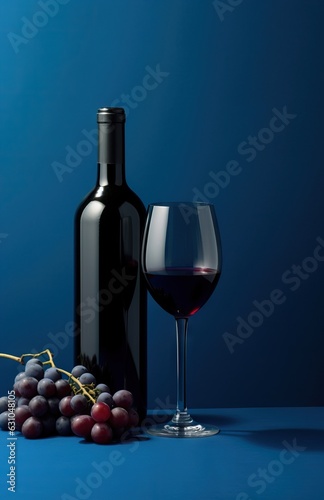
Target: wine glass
<point x="181" y="261"/>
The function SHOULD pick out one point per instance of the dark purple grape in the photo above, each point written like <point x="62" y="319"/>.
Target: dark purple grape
<point x="63" y="426"/>
<point x="46" y="387"/>
<point x="32" y="361"/>
<point x="53" y="374"/>
<point x="119" y="418"/>
<point x="65" y="406"/>
<point x="63" y="388"/>
<point x="3" y="404"/>
<point x="34" y="370"/>
<point x="16" y="389"/>
<point x="22" y="413"/>
<point x="53" y="406"/>
<point x="81" y="425"/>
<point x="124" y="399"/>
<point x="22" y="401"/>
<point x="4" y="420"/>
<point x="80" y="404"/>
<point x="19" y="376"/>
<point x="32" y="428"/>
<point x="107" y="398"/>
<point x="27" y="387"/>
<point x="102" y="388"/>
<point x="78" y="370"/>
<point x="87" y="378"/>
<point x="38" y="406"/>
<point x="49" y="425"/>
<point x="101" y="433"/>
<point x="133" y="418"/>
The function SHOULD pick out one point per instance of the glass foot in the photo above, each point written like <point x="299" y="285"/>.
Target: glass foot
<point x="182" y="430"/>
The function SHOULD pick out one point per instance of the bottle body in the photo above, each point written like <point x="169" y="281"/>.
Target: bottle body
<point x="110" y="293"/>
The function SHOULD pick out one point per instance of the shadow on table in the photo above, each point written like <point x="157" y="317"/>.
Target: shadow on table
<point x="309" y="439"/>
<point x="218" y="420"/>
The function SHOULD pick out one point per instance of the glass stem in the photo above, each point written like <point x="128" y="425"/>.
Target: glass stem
<point x="182" y="417"/>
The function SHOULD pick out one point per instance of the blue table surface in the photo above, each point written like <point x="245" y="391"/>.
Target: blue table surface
<point x="260" y="453"/>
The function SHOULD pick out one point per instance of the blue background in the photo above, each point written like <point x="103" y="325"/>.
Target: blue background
<point x="224" y="71"/>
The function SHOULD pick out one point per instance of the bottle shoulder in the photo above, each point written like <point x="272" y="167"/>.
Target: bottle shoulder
<point x="113" y="198"/>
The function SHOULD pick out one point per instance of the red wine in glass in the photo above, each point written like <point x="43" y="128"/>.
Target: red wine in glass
<point x="182" y="291"/>
<point x="181" y="261"/>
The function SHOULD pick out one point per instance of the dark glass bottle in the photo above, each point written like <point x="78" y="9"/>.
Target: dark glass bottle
<point x="110" y="294"/>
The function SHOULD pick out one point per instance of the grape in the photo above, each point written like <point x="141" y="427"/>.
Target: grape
<point x="63" y="388"/>
<point x="102" y="388"/>
<point x="53" y="406"/>
<point x="65" y="406"/>
<point x="4" y="420"/>
<point x="19" y="376"/>
<point x="49" y="425"/>
<point x="63" y="426"/>
<point x="79" y="404"/>
<point x="101" y="433"/>
<point x="22" y="413"/>
<point x="78" y="370"/>
<point x="22" y="401"/>
<point x="53" y="374"/>
<point x="34" y="370"/>
<point x="46" y="405"/>
<point x="27" y="387"/>
<point x="32" y="428"/>
<point x="100" y="412"/>
<point x="87" y="378"/>
<point x="16" y="389"/>
<point x="133" y="418"/>
<point x="123" y="398"/>
<point x="107" y="398"/>
<point x="81" y="425"/>
<point x="38" y="406"/>
<point x="3" y="404"/>
<point x="46" y="387"/>
<point x="119" y="417"/>
<point x="32" y="361"/>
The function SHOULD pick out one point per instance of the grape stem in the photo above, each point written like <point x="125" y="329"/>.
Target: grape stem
<point x="86" y="391"/>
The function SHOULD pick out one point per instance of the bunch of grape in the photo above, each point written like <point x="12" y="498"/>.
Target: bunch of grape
<point x="48" y="404"/>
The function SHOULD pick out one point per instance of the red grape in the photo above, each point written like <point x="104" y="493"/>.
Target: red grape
<point x="32" y="428"/>
<point x="100" y="412"/>
<point x="119" y="417"/>
<point x="65" y="406"/>
<point x="101" y="433"/>
<point x="81" y="425"/>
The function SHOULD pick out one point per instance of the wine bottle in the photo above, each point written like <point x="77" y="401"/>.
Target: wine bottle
<point x="110" y="293"/>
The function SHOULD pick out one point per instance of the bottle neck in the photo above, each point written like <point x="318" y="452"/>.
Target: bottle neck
<point x="111" y="154"/>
